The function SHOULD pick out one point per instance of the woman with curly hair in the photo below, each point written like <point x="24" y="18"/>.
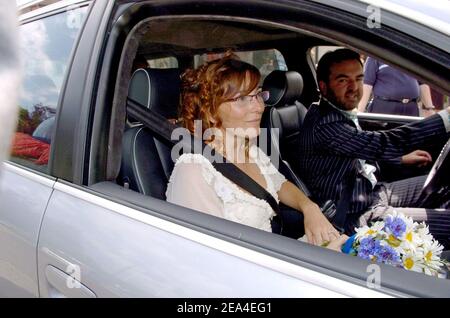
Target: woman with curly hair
<point x="222" y="96"/>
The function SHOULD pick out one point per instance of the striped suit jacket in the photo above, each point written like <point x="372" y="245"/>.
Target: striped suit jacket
<point x="330" y="144"/>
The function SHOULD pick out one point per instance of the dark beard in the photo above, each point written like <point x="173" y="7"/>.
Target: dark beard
<point x="331" y="97"/>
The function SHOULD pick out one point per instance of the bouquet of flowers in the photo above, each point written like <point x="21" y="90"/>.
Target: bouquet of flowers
<point x="398" y="241"/>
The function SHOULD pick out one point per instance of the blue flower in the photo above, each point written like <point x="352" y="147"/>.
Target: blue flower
<point x="386" y="254"/>
<point x="368" y="247"/>
<point x="395" y="225"/>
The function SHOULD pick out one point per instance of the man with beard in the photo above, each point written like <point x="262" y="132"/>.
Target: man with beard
<point x="335" y="152"/>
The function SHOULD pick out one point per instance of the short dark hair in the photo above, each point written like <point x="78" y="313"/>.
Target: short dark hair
<point x="330" y="58"/>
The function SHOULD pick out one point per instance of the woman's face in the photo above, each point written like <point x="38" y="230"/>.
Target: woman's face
<point x="242" y="115"/>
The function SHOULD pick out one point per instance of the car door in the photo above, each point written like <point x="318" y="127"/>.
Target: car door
<point x="24" y="195"/>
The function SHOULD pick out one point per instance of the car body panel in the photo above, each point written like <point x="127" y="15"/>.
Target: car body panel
<point x="122" y="252"/>
<point x="24" y="196"/>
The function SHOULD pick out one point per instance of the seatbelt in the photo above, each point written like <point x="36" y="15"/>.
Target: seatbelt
<point x="342" y="208"/>
<point x="163" y="128"/>
<point x="150" y="119"/>
<point x="242" y="179"/>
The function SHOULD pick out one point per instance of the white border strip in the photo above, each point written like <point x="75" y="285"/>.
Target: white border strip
<point x="321" y="280"/>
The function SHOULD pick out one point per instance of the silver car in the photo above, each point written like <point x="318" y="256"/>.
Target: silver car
<point x="82" y="205"/>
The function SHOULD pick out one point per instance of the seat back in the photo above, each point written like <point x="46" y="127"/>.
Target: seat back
<point x="146" y="159"/>
<point x="284" y="112"/>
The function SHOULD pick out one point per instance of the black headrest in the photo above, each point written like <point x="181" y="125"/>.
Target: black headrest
<point x="158" y="89"/>
<point x="285" y="87"/>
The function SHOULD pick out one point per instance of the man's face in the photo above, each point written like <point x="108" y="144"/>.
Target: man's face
<point x="345" y="84"/>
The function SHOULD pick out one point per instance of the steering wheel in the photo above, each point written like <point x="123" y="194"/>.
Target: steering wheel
<point x="437" y="185"/>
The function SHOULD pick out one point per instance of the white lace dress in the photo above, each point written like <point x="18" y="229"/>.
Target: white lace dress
<point x="196" y="184"/>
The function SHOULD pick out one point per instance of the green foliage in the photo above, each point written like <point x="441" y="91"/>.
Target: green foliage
<point x="27" y="122"/>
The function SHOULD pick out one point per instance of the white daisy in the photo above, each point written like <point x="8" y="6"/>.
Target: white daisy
<point x="431" y="255"/>
<point x="372" y="231"/>
<point x="413" y="262"/>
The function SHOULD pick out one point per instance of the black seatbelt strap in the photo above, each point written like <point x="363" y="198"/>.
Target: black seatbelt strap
<point x="163" y="128"/>
<point x="343" y="205"/>
<point x="242" y="179"/>
<point x="150" y="119"/>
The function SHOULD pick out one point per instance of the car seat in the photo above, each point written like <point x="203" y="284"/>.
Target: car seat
<point x="146" y="158"/>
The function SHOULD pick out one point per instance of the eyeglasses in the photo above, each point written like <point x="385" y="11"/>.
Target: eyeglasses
<point x="262" y="96"/>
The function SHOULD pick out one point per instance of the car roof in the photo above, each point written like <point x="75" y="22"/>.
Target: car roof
<point x="434" y="14"/>
<point x="431" y="14"/>
<point x="29" y="8"/>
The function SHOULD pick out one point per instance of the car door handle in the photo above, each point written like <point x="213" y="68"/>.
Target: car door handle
<point x="62" y="285"/>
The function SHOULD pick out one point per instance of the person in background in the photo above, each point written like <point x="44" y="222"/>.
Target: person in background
<point x="438" y="99"/>
<point x="394" y="92"/>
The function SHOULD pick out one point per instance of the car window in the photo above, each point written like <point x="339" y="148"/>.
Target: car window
<point x="45" y="47"/>
<point x="265" y="60"/>
<point x="391" y="91"/>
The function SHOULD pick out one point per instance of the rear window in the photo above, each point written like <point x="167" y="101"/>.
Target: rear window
<point x="165" y="62"/>
<point x="265" y="60"/>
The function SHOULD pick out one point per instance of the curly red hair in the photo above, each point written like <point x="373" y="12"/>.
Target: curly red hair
<point x="204" y="89"/>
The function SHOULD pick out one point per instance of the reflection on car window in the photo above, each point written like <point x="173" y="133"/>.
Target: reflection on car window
<point x="45" y="47"/>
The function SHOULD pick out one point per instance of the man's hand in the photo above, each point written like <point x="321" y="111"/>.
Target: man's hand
<point x="418" y="158"/>
<point x="317" y="227"/>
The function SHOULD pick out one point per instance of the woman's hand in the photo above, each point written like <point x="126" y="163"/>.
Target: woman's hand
<point x="317" y="227"/>
<point x="336" y="244"/>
